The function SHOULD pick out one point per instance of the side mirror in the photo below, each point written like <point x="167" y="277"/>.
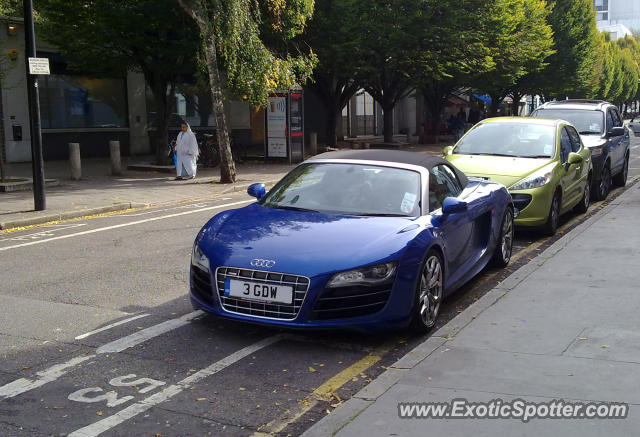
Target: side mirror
<point x="574" y="158"/>
<point x="452" y="205"/>
<point x="617" y="131"/>
<point x="447" y="150"/>
<point x="257" y="190"/>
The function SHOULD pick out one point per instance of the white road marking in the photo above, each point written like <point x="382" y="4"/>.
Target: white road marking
<point x="54" y="372"/>
<point x="113" y="325"/>
<point x="23" y="385"/>
<point x="148" y="333"/>
<point x="122" y="225"/>
<point x="133" y="410"/>
<point x="635" y="147"/>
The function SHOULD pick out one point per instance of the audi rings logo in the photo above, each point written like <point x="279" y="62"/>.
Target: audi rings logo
<point x="267" y="263"/>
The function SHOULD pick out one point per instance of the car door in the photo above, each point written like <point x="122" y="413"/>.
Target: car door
<point x="615" y="143"/>
<point x="569" y="180"/>
<point x="456" y="229"/>
<point x="582" y="168"/>
<point x="623" y="142"/>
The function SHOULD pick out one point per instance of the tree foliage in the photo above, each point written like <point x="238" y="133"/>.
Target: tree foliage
<point x="253" y="42"/>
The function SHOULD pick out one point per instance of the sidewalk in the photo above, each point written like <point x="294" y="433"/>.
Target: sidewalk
<point x="98" y="192"/>
<point x="565" y="326"/>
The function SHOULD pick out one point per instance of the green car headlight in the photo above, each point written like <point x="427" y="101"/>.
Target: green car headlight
<point x="372" y="275"/>
<point x="535" y="180"/>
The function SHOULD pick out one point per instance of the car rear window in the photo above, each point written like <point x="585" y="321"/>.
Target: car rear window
<point x="586" y="121"/>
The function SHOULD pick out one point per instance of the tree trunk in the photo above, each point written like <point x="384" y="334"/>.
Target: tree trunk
<point x="227" y="167"/>
<point x="333" y="118"/>
<point x="495" y="105"/>
<point x="515" y="106"/>
<point x="3" y="175"/>
<point x="387" y="115"/>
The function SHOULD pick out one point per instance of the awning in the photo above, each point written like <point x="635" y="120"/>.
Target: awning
<point x="485" y="98"/>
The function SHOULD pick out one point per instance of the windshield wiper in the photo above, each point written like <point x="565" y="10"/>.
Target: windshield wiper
<point x="293" y="208"/>
<point x="535" y="156"/>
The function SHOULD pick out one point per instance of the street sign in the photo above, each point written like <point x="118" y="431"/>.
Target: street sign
<point x="39" y="66"/>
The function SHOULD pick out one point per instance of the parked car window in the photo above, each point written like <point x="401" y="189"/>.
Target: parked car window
<point x="576" y="143"/>
<point x="617" y="121"/>
<point x="587" y="122"/>
<point x="442" y="183"/>
<point x="610" y="123"/>
<point x="354" y="189"/>
<point x="565" y="145"/>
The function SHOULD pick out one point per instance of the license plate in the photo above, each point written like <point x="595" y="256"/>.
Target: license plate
<point x="258" y="291"/>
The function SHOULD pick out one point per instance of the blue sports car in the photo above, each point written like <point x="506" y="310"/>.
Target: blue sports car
<point x="371" y="239"/>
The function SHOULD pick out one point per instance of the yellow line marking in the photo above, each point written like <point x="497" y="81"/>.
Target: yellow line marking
<point x="324" y="392"/>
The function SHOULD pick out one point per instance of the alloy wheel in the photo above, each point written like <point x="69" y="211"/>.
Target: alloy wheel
<point x="430" y="291"/>
<point x="507" y="237"/>
<point x="605" y="183"/>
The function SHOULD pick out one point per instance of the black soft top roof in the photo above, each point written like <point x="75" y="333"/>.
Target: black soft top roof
<point x="399" y="156"/>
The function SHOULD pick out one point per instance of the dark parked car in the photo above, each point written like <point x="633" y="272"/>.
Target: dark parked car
<point x="603" y="132"/>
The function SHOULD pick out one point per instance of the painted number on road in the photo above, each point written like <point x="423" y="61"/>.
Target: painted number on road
<point x="97" y="394"/>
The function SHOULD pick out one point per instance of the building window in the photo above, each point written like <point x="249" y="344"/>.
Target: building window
<point x="82" y="102"/>
<point x="602" y="9"/>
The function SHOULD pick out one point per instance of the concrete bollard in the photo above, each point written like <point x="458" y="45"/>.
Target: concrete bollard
<point x="313" y="143"/>
<point x="74" y="160"/>
<point x="116" y="164"/>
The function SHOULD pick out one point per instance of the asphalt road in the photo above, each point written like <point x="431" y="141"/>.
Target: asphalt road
<point x="97" y="335"/>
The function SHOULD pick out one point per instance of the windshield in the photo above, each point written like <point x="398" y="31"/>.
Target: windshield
<point x="509" y="139"/>
<point x="353" y="189"/>
<point x="586" y="122"/>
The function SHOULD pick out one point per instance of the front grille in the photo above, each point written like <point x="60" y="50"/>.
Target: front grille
<point x="346" y="302"/>
<point x="201" y="284"/>
<point x="521" y="201"/>
<point x="300" y="286"/>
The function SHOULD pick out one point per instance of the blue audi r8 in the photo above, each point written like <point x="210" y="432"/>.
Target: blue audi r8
<point x="371" y="239"/>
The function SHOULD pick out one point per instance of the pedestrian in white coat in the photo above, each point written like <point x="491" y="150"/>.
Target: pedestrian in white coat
<point x="187" y="153"/>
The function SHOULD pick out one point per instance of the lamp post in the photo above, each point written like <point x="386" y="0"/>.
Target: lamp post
<point x="37" y="163"/>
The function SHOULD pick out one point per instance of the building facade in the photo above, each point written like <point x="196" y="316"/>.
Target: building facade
<point x="618" y="17"/>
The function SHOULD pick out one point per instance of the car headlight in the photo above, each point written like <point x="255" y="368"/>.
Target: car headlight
<point x="199" y="259"/>
<point x="371" y="275"/>
<point x="596" y="151"/>
<point x="535" y="180"/>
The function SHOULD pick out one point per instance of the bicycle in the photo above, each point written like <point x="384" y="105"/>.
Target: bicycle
<point x="210" y="152"/>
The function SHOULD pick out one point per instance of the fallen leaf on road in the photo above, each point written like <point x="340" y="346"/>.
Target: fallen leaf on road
<point x="99" y="413"/>
<point x="605" y="346"/>
<point x="583" y="338"/>
<point x="312" y="370"/>
<point x="242" y="389"/>
<point x="201" y="399"/>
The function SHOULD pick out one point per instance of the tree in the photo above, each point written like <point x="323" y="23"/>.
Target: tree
<point x="522" y="41"/>
<point x="248" y="39"/>
<point x="334" y="39"/>
<point x="569" y="71"/>
<point x="106" y="37"/>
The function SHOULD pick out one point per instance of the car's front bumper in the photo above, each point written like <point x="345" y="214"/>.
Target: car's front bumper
<point x="393" y="314"/>
<point x="535" y="211"/>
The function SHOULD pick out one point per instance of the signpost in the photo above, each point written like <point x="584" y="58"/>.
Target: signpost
<point x="34" y="66"/>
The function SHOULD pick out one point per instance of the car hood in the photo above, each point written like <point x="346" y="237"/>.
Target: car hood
<point x="306" y="243"/>
<point x="593" y="140"/>
<point x="503" y="169"/>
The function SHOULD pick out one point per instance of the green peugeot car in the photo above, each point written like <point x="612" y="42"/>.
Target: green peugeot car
<point x="542" y="162"/>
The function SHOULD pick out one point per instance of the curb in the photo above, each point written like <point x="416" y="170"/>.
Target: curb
<point x="332" y="423"/>
<point x="67" y="215"/>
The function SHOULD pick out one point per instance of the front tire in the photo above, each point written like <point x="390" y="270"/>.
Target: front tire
<point x="429" y="294"/>
<point x="504" y="246"/>
<point x="605" y="183"/>
<point x="620" y="180"/>
<point x="551" y="226"/>
<point x="583" y="206"/>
